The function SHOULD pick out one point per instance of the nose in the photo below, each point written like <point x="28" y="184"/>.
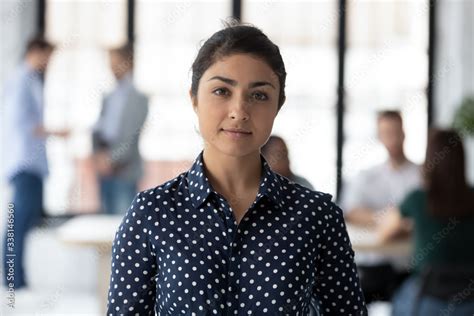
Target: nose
<point x="239" y="109"/>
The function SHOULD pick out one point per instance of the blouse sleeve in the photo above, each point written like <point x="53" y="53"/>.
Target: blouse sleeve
<point x="132" y="287"/>
<point x="337" y="286"/>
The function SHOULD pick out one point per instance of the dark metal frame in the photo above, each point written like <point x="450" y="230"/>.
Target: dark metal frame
<point x="131" y="21"/>
<point x="340" y="106"/>
<point x="41" y="17"/>
<point x="237" y="9"/>
<point x="431" y="60"/>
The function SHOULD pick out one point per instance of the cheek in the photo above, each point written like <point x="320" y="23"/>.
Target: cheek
<point x="263" y="121"/>
<point x="209" y="116"/>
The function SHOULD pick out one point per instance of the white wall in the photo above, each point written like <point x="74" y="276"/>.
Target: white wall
<point x="454" y="77"/>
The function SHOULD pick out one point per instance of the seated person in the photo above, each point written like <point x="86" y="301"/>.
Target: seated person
<point x="384" y="185"/>
<point x="276" y="153"/>
<point x="443" y="217"/>
<point x="366" y="200"/>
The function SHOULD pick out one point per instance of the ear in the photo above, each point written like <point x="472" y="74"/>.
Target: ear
<point x="193" y="100"/>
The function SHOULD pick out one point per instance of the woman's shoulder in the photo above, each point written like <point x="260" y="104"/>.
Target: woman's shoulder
<point x="163" y="193"/>
<point x="320" y="204"/>
<point x="291" y="188"/>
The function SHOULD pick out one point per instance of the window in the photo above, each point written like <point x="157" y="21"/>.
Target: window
<point x="387" y="68"/>
<point x="78" y="76"/>
<point x="167" y="41"/>
<point x="307" y="121"/>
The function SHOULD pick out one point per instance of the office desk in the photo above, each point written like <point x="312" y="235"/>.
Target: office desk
<point x="364" y="240"/>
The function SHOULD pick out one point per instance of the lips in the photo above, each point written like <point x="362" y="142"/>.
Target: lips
<point x="236" y="133"/>
<point x="237" y="130"/>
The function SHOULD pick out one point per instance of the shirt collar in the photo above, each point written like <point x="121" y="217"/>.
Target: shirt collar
<point x="405" y="165"/>
<point x="200" y="188"/>
<point x="125" y="82"/>
<point x="33" y="73"/>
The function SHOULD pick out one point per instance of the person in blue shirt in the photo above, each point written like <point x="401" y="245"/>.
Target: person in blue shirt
<point x="25" y="163"/>
<point x="229" y="236"/>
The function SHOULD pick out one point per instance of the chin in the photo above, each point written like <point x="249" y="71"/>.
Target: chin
<point x="235" y="150"/>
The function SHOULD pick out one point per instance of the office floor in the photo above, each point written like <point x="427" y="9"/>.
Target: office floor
<point x="52" y="302"/>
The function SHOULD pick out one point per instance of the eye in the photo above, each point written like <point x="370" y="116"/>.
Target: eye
<point x="259" y="96"/>
<point x="221" y="91"/>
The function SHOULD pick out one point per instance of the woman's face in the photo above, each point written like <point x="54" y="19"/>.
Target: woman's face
<point x="236" y="104"/>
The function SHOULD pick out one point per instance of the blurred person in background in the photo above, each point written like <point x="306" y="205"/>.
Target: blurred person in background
<point x="25" y="158"/>
<point x="116" y="134"/>
<point x="386" y="184"/>
<point x="276" y="153"/>
<point x="443" y="216"/>
<point x="371" y="194"/>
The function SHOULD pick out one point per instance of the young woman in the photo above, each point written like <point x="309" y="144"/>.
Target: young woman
<point x="443" y="218"/>
<point x="230" y="236"/>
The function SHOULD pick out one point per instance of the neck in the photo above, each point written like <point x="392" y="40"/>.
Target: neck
<point x="32" y="64"/>
<point x="397" y="161"/>
<point x="287" y="173"/>
<point x="122" y="76"/>
<point x="231" y="175"/>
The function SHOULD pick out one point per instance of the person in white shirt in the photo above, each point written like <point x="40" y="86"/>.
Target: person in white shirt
<point x="374" y="191"/>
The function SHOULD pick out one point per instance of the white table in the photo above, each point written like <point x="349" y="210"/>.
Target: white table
<point x="97" y="231"/>
<point x="365" y="240"/>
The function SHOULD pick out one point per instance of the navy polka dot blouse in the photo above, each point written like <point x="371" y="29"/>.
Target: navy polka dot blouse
<point x="180" y="251"/>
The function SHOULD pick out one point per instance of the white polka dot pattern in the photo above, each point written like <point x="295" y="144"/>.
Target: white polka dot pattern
<point x="179" y="251"/>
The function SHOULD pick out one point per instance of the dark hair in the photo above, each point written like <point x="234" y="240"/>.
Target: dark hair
<point x="390" y="114"/>
<point x="239" y="39"/>
<point x="125" y="51"/>
<point x="448" y="193"/>
<point x="39" y="43"/>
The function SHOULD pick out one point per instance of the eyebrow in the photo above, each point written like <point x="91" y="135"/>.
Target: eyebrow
<point x="234" y="83"/>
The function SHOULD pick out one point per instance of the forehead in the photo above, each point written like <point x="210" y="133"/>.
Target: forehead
<point x="42" y="52"/>
<point x="115" y="54"/>
<point x="243" y="68"/>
